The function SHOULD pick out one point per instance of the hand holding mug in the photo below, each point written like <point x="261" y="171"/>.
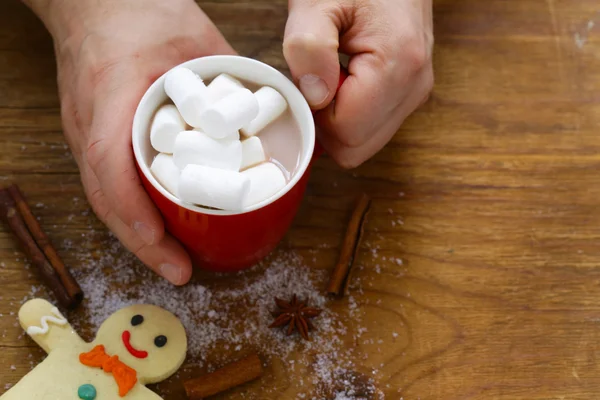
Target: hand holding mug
<point x="108" y="53"/>
<point x="390" y="70"/>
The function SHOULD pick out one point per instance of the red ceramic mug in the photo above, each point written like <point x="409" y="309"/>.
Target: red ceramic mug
<point x="225" y="241"/>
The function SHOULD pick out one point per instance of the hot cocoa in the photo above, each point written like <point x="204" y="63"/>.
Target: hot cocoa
<point x="228" y="144"/>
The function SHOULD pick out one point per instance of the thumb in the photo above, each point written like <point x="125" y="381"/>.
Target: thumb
<point x="310" y="47"/>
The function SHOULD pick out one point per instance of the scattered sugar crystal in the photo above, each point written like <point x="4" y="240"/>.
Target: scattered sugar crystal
<point x="232" y="316"/>
<point x="12" y="367"/>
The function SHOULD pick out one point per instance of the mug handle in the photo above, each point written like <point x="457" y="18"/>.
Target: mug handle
<point x="318" y="151"/>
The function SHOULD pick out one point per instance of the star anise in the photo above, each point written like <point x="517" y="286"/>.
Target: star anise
<point x="296" y="315"/>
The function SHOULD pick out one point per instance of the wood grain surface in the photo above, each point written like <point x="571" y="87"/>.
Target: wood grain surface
<point x="490" y="194"/>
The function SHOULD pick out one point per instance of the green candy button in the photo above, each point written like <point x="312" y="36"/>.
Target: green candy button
<point x="87" y="392"/>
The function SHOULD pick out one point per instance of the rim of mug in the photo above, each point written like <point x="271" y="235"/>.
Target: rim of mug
<point x="301" y="110"/>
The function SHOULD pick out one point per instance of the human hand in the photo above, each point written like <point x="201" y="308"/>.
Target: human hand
<point x="390" y="70"/>
<point x="108" y="53"/>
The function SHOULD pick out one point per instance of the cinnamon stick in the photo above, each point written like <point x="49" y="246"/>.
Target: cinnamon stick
<point x="237" y="373"/>
<point x="70" y="284"/>
<point x="339" y="281"/>
<point x="17" y="215"/>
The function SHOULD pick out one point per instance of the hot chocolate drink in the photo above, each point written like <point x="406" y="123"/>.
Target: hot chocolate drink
<point x="223" y="143"/>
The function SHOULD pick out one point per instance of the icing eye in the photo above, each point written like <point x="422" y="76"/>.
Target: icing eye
<point x="160" y="341"/>
<point x="136" y="320"/>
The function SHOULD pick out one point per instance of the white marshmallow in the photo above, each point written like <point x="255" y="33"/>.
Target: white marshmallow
<point x="188" y="92"/>
<point x="213" y="187"/>
<point x="166" y="125"/>
<point x="271" y="105"/>
<point x="229" y="114"/>
<point x="193" y="147"/>
<point x="222" y="86"/>
<point x="233" y="136"/>
<point x="252" y="152"/>
<point x="265" y="180"/>
<point x="166" y="172"/>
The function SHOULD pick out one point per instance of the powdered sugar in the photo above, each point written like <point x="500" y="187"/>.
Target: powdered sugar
<point x="228" y="315"/>
<point x="232" y="312"/>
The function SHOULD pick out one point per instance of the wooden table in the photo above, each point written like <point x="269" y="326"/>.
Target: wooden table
<point x="490" y="194"/>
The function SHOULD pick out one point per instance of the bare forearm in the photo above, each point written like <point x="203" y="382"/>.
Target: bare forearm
<point x="57" y="15"/>
<point x="66" y="19"/>
<point x="38" y="6"/>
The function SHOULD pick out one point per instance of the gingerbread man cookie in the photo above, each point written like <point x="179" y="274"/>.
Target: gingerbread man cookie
<point x="136" y="346"/>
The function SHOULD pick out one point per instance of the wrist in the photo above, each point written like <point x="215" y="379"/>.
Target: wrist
<point x="61" y="18"/>
<point x="69" y="21"/>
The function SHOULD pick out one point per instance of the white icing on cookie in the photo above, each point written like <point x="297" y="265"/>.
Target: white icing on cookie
<point x="58" y="320"/>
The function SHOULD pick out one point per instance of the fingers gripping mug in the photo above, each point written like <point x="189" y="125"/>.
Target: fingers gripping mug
<point x="217" y="240"/>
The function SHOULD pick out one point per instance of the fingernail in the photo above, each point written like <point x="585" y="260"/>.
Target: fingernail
<point x="171" y="272"/>
<point x="314" y="89"/>
<point x="144" y="232"/>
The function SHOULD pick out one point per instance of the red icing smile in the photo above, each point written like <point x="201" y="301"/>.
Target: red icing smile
<point x="133" y="351"/>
